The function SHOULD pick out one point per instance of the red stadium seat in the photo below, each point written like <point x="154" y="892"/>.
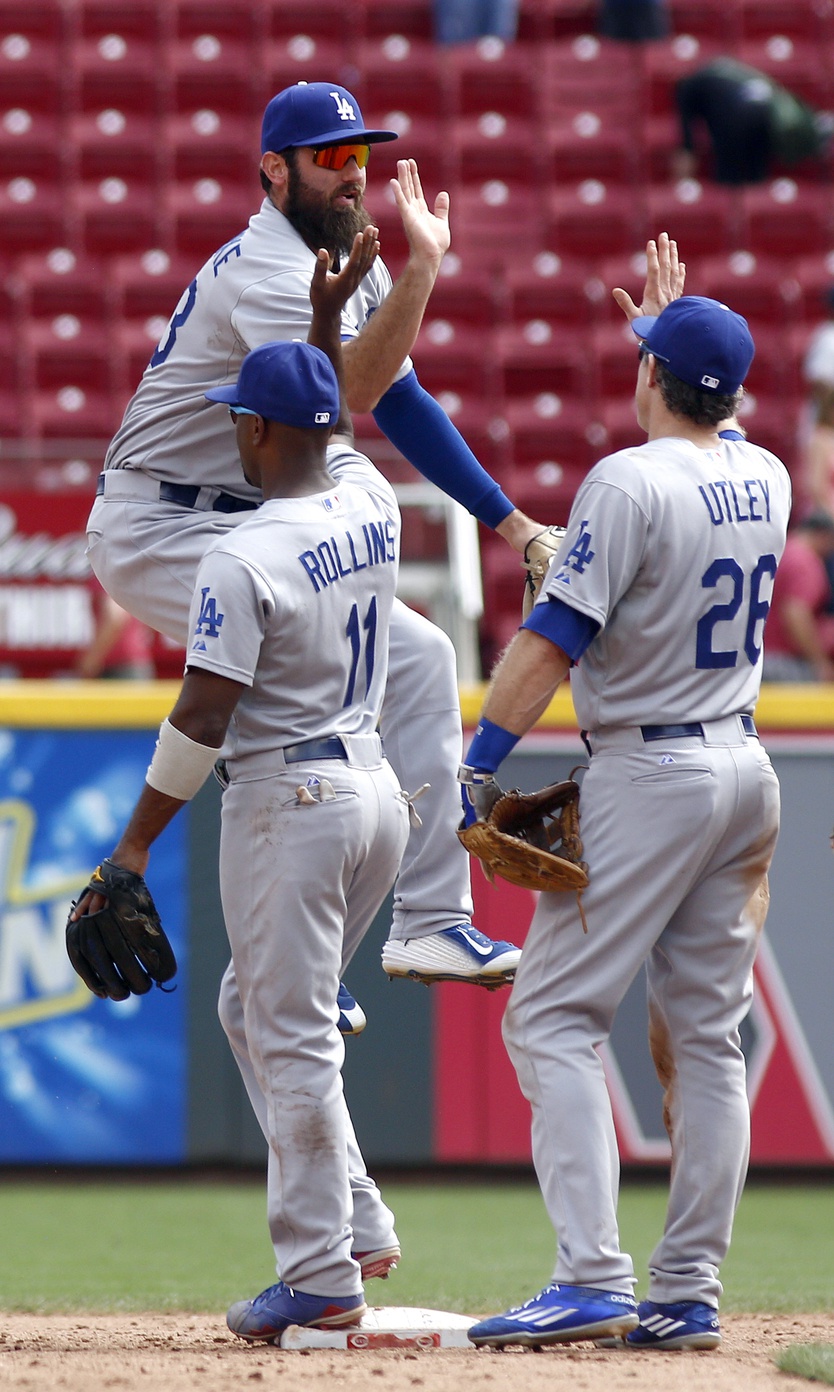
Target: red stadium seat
<point x="108" y="142"/>
<point x="30" y="144"/>
<point x="589" y="69"/>
<point x="401" y="74"/>
<point x="560" y="289"/>
<point x="761" y="288"/>
<point x="303" y="56"/>
<point x="111" y="215"/>
<point x="716" y="20"/>
<point x="149" y="284"/>
<point x="808" y="20"/>
<point x="209" y="143"/>
<point x="541" y="21"/>
<point x="547" y="428"/>
<point x="702" y="217"/>
<point x="815" y="277"/>
<point x="490" y="75"/>
<point x="206" y="214"/>
<point x="497" y="222"/>
<point x="465" y="295"/>
<point x="539" y="357"/>
<point x="595" y="218"/>
<point x="493" y="145"/>
<point x="454" y="358"/>
<point x="413" y="18"/>
<point x="32" y="214"/>
<point x="324" y="19"/>
<point x="593" y="142"/>
<point x="213" y="57"/>
<point x="612" y="350"/>
<point x="114" y="57"/>
<point x="58" y="282"/>
<point x="787" y="218"/>
<point x="31" y="74"/>
<point x="70" y="412"/>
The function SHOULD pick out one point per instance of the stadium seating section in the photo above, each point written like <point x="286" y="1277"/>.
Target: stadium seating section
<point x="129" y="151"/>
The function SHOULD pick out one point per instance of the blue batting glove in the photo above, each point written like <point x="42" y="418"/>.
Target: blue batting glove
<point x="479" y="793"/>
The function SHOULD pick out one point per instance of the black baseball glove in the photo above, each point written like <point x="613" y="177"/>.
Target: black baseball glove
<point x="122" y="949"/>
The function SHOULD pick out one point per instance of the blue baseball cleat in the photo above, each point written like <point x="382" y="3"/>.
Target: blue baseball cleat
<point x="559" y="1315"/>
<point x="453" y="954"/>
<point x="686" y="1324"/>
<point x="267" y="1316"/>
<point x="352" y="1018"/>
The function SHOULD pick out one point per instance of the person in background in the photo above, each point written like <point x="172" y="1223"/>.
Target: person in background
<point x="799" y="634"/>
<point x="462" y="21"/>
<point x="122" y="647"/>
<point x="750" y="120"/>
<point x="633" y="20"/>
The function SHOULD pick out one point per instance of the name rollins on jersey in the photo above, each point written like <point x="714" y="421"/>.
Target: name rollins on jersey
<point x="335" y="558"/>
<point x="748" y="501"/>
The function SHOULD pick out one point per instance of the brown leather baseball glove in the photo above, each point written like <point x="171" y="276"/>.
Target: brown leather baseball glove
<point x="538" y="553"/>
<point x="532" y="839"/>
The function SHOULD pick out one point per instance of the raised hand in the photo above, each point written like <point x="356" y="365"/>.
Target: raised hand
<point x="331" y="290"/>
<point x="427" y="232"/>
<point x="665" y="277"/>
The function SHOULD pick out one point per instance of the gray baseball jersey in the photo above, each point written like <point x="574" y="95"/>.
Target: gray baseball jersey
<point x="254" y="290"/>
<point x="295" y="602"/>
<point x="681" y="605"/>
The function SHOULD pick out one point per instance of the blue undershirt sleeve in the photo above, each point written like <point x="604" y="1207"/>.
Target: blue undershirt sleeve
<point x="422" y="432"/>
<point x="566" y="627"/>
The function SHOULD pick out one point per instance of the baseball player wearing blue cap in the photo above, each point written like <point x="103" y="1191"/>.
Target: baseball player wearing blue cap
<point x="657" y="601"/>
<point x="286" y="671"/>
<point x="172" y="484"/>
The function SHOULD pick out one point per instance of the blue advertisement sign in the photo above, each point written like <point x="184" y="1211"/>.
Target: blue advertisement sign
<point x="82" y="1080"/>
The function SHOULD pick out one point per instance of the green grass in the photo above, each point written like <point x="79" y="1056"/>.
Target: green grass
<point x="814" y="1361"/>
<point x="197" y="1245"/>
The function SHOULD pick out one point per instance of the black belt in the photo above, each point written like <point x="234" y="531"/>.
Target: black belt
<point x="659" y="732"/>
<point x="186" y="494"/>
<point x="330" y="748"/>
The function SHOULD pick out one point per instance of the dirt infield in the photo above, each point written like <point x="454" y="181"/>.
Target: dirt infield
<point x="180" y="1353"/>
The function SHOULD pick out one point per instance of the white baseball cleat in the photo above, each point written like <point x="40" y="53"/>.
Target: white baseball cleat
<point x="453" y="954"/>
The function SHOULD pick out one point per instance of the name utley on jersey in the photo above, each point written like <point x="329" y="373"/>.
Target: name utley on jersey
<point x="254" y="290"/>
<point x="673" y="550"/>
<point x="295" y="603"/>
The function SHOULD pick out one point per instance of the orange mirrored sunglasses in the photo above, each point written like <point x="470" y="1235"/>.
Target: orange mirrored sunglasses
<point x="337" y="156"/>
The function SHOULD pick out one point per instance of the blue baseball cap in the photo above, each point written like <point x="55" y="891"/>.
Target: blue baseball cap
<point x="293" y="383"/>
<point x="316" y="113"/>
<point x="701" y="341"/>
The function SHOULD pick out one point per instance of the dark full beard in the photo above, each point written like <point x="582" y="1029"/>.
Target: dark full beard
<point x="317" y="222"/>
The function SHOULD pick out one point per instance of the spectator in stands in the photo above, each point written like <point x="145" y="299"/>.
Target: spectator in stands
<point x="818" y="367"/>
<point x="461" y="21"/>
<point x="817" y="478"/>
<point x="799" y="635"/>
<point x="122" y="647"/>
<point x="751" y="121"/>
<point x="633" y="20"/>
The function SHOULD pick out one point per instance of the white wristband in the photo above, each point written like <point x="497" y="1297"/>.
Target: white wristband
<point x="180" y="766"/>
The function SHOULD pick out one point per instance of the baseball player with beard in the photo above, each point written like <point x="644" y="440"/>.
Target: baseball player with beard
<point x="172" y="485"/>
<point x="286" y="670"/>
<point x="657" y="599"/>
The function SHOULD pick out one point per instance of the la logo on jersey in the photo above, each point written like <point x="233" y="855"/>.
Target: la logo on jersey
<point x="343" y="106"/>
<point x="210" y="620"/>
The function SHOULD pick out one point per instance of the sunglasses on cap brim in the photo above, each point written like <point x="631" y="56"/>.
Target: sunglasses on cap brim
<point x="337" y="156"/>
